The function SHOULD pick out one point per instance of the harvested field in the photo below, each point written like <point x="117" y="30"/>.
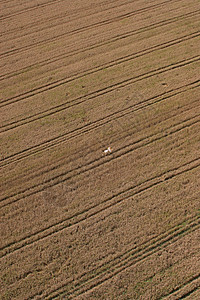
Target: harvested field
<point x="76" y="78"/>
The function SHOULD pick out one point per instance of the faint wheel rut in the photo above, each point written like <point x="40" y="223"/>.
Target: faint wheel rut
<point x="98" y="208"/>
<point x="120" y="263"/>
<point x="190" y="286"/>
<point x="97" y="162"/>
<point x="94" y="25"/>
<point x="96" y="45"/>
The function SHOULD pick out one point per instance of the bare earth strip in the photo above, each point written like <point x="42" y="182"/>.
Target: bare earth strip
<point x="77" y="77"/>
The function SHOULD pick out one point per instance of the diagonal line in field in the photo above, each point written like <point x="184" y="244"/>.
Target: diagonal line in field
<point x="86" y="27"/>
<point x="100" y="207"/>
<point x="122" y="262"/>
<point x="176" y="291"/>
<point x="97" y="45"/>
<point x="60" y="82"/>
<point x="67" y="105"/>
<point x="99" y="161"/>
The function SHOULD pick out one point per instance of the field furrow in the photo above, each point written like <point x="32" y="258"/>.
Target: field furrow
<point x="166" y="263"/>
<point x="91" y="36"/>
<point x="95" y="44"/>
<point x="98" y="161"/>
<point x="99" y="149"/>
<point x="186" y="290"/>
<point x="107" y="20"/>
<point x="122" y="266"/>
<point x="104" y="205"/>
<point x="59" y="18"/>
<point x="100" y="68"/>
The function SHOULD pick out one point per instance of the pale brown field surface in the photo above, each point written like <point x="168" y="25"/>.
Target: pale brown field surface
<point x="154" y="276"/>
<point x="77" y="77"/>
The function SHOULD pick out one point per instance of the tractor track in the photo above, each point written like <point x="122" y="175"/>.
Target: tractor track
<point x="97" y="162"/>
<point x="86" y="167"/>
<point x="96" y="45"/>
<point x="149" y="126"/>
<point x="110" y="118"/>
<point x="64" y="15"/>
<point x="69" y="104"/>
<point x="30" y="25"/>
<point x="92" y="211"/>
<point x="105" y="90"/>
<point x="62" y="138"/>
<point x="76" y="132"/>
<point x="82" y="29"/>
<point x="120" y="263"/>
<point x="176" y="292"/>
<point x="189" y="293"/>
<point x="115" y="116"/>
<point x="17" y="13"/>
